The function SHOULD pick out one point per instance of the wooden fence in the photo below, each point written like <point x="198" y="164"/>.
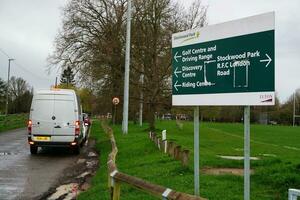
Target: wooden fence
<point x="171" y="148"/>
<point x="116" y="178"/>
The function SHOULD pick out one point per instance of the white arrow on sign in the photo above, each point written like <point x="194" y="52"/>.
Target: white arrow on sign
<point x="177" y="72"/>
<point x="269" y="60"/>
<point x="175" y="86"/>
<point x="176" y="56"/>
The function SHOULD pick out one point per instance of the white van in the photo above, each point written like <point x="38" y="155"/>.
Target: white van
<point x="55" y="120"/>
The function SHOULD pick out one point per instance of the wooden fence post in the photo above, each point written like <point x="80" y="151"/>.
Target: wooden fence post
<point x="171" y="148"/>
<point x="117" y="190"/>
<point x="177" y="152"/>
<point x="165" y="146"/>
<point x="185" y="157"/>
<point x="158" y="143"/>
<point x="153" y="136"/>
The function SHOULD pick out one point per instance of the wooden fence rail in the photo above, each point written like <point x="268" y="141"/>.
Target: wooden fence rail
<point x="116" y="178"/>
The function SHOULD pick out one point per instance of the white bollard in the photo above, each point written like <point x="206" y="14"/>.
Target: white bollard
<point x="166" y="146"/>
<point x="164" y="135"/>
<point x="293" y="194"/>
<point x="164" y="139"/>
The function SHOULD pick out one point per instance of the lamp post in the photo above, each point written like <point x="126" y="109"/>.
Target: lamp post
<point x="7" y="87"/>
<point x="126" y="78"/>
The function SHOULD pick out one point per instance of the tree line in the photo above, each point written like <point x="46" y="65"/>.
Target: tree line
<point x="91" y="42"/>
<point x="19" y="96"/>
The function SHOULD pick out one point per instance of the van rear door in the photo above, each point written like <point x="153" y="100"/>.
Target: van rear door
<point x="41" y="115"/>
<point x="65" y="117"/>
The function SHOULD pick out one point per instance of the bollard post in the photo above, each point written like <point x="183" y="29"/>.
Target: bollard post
<point x="158" y="143"/>
<point x="164" y="134"/>
<point x="117" y="190"/>
<point x="293" y="194"/>
<point x="177" y="152"/>
<point x="165" y="146"/>
<point x="170" y="148"/>
<point x="185" y="158"/>
<point x="114" y="186"/>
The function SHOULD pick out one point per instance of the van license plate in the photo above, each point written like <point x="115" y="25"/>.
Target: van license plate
<point x="41" y="138"/>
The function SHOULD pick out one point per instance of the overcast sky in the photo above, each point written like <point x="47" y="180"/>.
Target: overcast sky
<point x="28" y="29"/>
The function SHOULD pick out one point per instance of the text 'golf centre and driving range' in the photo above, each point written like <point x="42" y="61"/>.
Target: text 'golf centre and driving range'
<point x="238" y="64"/>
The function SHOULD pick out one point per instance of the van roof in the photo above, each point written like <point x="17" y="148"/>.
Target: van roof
<point x="56" y="91"/>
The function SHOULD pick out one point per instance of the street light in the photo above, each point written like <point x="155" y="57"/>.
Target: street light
<point x="7" y="87"/>
<point x="126" y="77"/>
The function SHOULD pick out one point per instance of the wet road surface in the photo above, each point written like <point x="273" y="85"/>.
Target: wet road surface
<point x="23" y="176"/>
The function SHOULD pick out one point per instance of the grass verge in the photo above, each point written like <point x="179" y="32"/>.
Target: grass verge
<point x="277" y="170"/>
<point x="13" y="121"/>
<point x="99" y="189"/>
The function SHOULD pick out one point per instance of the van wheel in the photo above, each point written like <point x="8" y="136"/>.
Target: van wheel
<point x="33" y="149"/>
<point x="76" y="150"/>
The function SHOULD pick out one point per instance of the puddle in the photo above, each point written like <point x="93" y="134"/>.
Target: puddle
<point x="268" y="155"/>
<point x="238" y="149"/>
<point x="7" y="153"/>
<point x="225" y="171"/>
<point x="292" y="148"/>
<point x="237" y="157"/>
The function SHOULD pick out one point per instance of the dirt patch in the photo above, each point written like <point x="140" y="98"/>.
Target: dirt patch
<point x="75" y="178"/>
<point x="225" y="171"/>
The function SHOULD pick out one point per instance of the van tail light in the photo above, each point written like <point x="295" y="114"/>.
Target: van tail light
<point x="29" y="126"/>
<point x="77" y="127"/>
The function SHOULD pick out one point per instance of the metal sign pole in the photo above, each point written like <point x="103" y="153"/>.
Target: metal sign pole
<point x="126" y="77"/>
<point x="114" y="120"/>
<point x="196" y="152"/>
<point x="247" y="153"/>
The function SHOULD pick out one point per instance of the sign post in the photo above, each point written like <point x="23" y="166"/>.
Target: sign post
<point x="196" y="152"/>
<point x="115" y="101"/>
<point x="247" y="152"/>
<point x="228" y="64"/>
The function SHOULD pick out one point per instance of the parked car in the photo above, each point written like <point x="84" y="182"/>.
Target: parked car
<point x="167" y="116"/>
<point x="182" y="117"/>
<point x="86" y="119"/>
<point x="55" y="120"/>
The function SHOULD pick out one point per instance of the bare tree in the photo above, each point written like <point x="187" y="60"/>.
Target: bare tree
<point x="154" y="21"/>
<point x="92" y="42"/>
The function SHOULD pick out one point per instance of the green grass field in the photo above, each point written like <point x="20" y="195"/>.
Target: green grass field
<point x="278" y="169"/>
<point x="13" y="121"/>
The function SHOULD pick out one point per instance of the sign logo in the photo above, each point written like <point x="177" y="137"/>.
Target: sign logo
<point x="187" y="37"/>
<point x="266" y="98"/>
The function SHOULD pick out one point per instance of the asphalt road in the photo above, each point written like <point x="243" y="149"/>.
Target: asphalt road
<point x="23" y="176"/>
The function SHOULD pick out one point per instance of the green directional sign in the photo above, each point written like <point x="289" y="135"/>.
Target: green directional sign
<point x="233" y="66"/>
